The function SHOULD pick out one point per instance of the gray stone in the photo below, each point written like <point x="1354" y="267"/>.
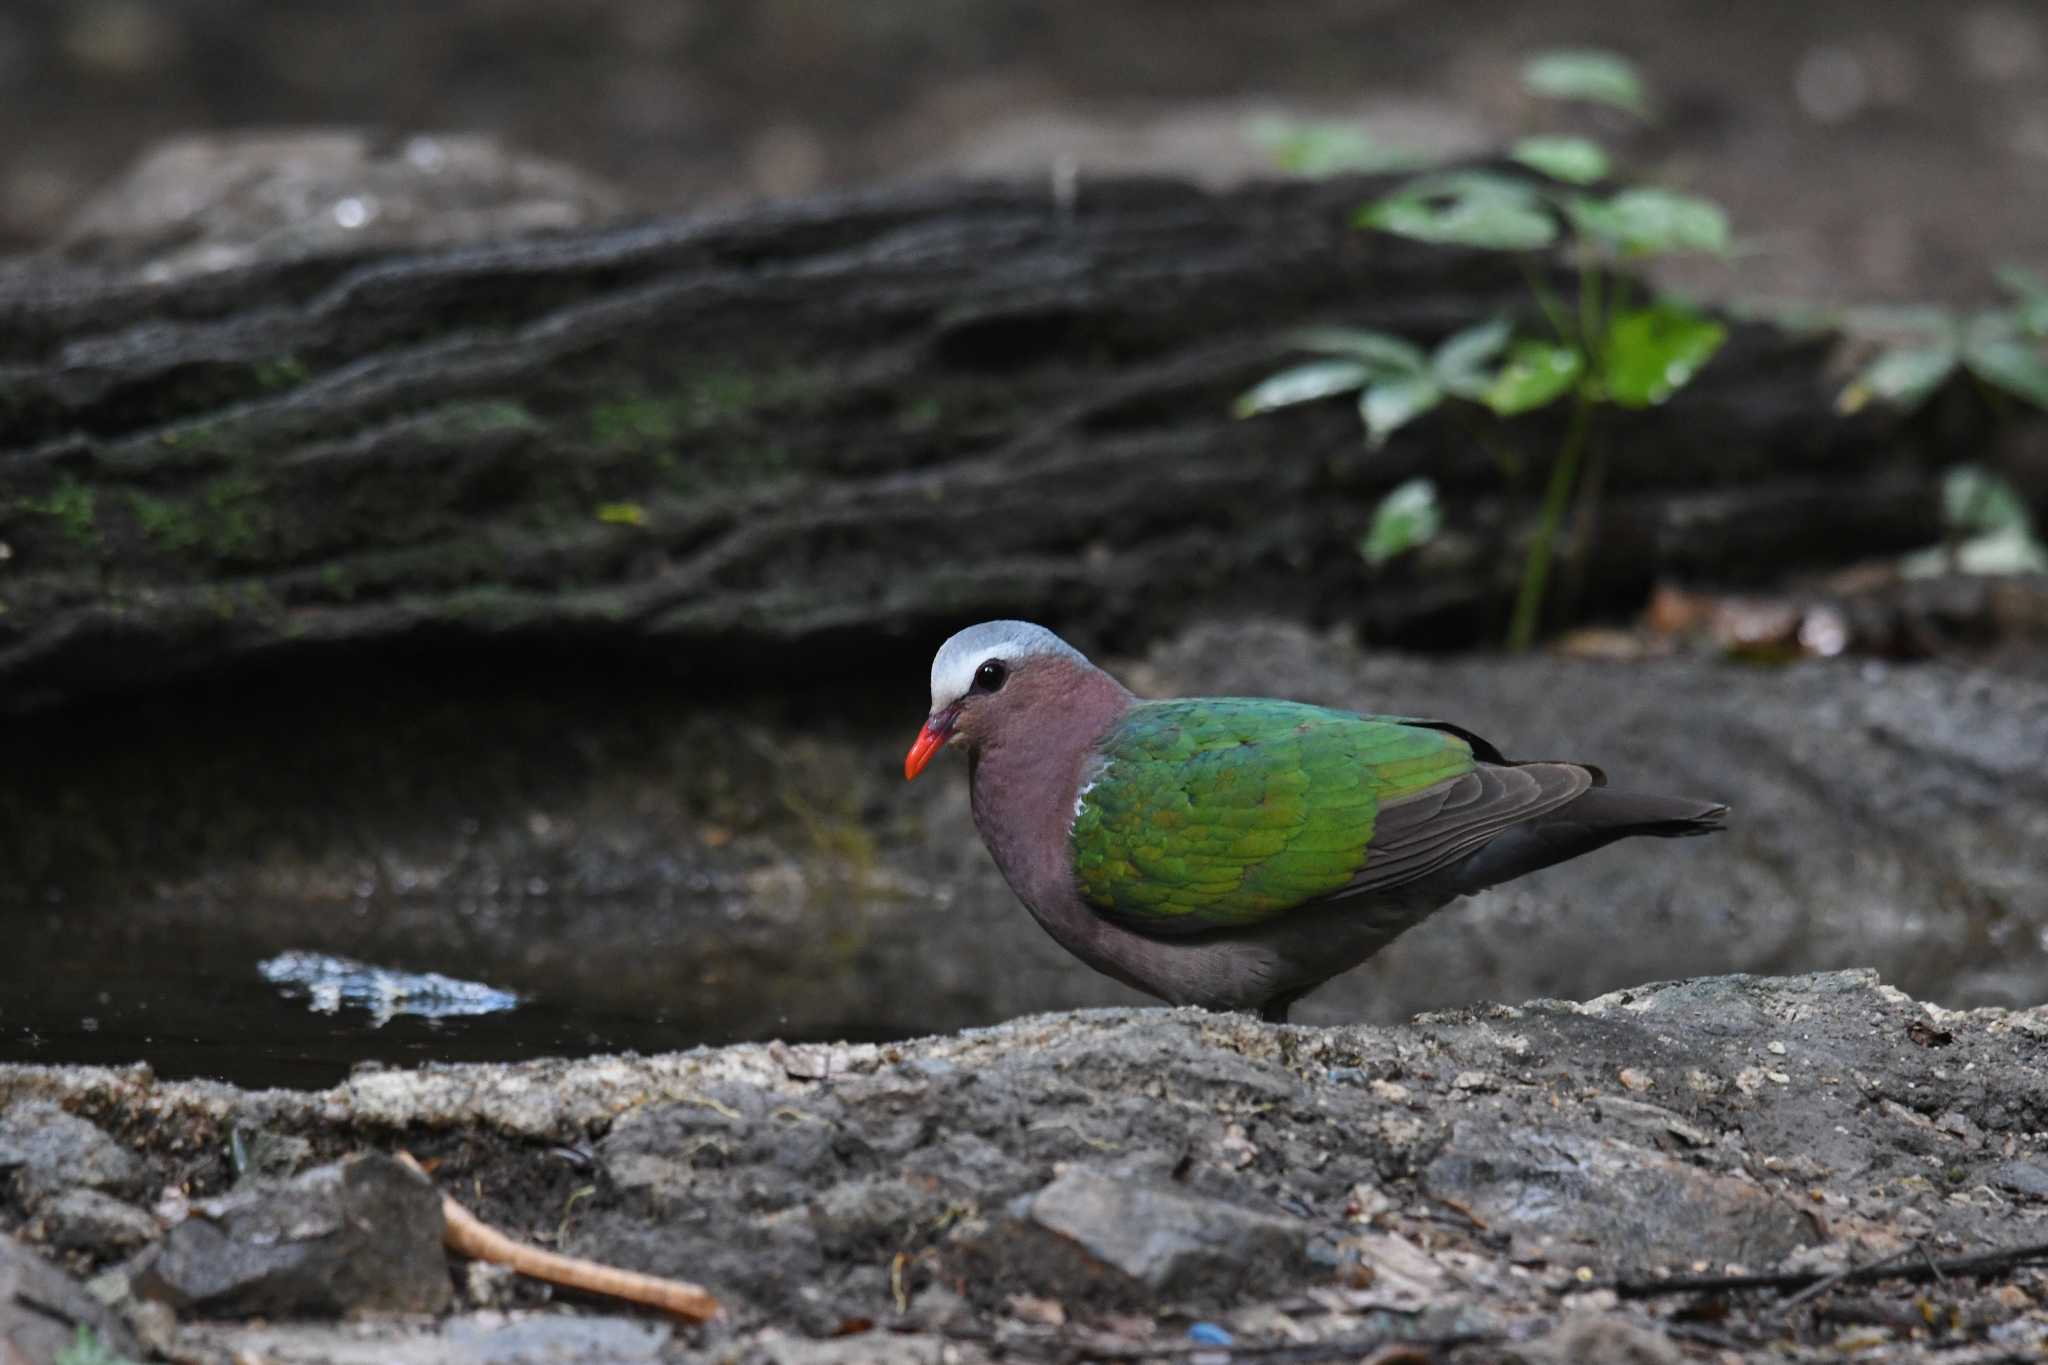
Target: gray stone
<point x="2027" y="1179"/>
<point x="51" y="1151"/>
<point x="42" y="1309"/>
<point x="1165" y="1240"/>
<point x="363" y="1234"/>
<point x="98" y="1224"/>
<point x="213" y="201"/>
<point x="265" y="1155"/>
<point x="868" y="1349"/>
<point x="1582" y="1338"/>
<point x="472" y="1339"/>
<point x="1650" y="1202"/>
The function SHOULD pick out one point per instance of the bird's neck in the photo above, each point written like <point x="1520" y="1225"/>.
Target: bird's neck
<point x="1024" y="784"/>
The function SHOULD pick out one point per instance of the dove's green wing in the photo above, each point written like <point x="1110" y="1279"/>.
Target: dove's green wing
<point x="1225" y="812"/>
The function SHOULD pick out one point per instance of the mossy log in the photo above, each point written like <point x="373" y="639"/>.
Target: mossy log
<point x="838" y="422"/>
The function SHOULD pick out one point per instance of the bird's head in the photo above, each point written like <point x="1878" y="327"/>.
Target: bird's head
<point x="990" y="675"/>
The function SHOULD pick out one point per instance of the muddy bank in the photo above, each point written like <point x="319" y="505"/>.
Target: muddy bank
<point x="1082" y="1184"/>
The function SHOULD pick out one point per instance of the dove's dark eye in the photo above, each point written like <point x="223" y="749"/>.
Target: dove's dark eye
<point x="990" y="676"/>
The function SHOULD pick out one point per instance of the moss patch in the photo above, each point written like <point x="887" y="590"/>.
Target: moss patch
<point x="707" y="401"/>
<point x="230" y="519"/>
<point x="70" y="504"/>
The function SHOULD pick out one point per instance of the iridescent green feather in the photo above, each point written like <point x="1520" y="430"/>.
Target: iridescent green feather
<point x="1228" y="811"/>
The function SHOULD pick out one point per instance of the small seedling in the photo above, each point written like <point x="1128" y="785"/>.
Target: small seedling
<point x="1919" y="348"/>
<point x="1606" y="352"/>
<point x="1406" y="517"/>
<point x="1989" y="530"/>
<point x="1588" y="75"/>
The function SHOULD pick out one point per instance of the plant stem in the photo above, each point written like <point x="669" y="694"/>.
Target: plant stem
<point x="1545" y="300"/>
<point x="1585" y="517"/>
<point x="1557" y="497"/>
<point x="1592" y="335"/>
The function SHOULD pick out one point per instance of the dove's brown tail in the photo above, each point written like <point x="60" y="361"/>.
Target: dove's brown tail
<point x="1593" y="820"/>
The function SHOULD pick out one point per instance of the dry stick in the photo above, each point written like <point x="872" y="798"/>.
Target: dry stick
<point x="1989" y="1263"/>
<point x="470" y="1236"/>
<point x="1842" y="1276"/>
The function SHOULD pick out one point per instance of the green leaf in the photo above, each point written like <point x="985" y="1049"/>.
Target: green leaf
<point x="1651" y="222"/>
<point x="1302" y="384"/>
<point x="1588" y="74"/>
<point x="1391" y="404"/>
<point x="1312" y="148"/>
<point x="1492" y="212"/>
<point x="2000" y="534"/>
<point x="1460" y="363"/>
<point x="2032" y="292"/>
<point x="1901" y="375"/>
<point x="2010" y="551"/>
<point x="1652" y="353"/>
<point x="2013" y="550"/>
<point x="1574" y="160"/>
<point x="1975" y="499"/>
<point x="1406" y="517"/>
<point x="1380" y="352"/>
<point x="1537" y="372"/>
<point x="2014" y="364"/>
<point x="622" y="514"/>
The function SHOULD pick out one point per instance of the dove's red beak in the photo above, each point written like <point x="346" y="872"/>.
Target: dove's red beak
<point x="930" y="740"/>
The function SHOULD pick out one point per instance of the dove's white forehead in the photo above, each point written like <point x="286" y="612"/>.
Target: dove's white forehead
<point x="953" y="666"/>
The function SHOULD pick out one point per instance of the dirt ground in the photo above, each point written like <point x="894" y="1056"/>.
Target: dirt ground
<point x="1867" y="148"/>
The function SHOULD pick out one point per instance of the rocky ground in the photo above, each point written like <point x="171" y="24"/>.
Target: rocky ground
<point x="1546" y="1182"/>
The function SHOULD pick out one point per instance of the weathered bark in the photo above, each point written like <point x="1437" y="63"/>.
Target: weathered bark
<point x="885" y="413"/>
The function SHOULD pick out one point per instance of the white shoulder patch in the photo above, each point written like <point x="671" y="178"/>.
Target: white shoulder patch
<point x="1091" y="773"/>
<point x="954" y="665"/>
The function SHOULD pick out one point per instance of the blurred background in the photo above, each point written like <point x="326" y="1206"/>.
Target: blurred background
<point x="331" y="738"/>
<point x="1872" y="149"/>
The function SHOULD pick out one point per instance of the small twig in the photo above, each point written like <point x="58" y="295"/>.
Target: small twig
<point x="1464" y="1211"/>
<point x="1827" y="1282"/>
<point x="468" y="1235"/>
<point x="1989" y="1263"/>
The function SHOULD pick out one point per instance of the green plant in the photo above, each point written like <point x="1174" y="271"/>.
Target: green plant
<point x="1606" y="350"/>
<point x="1919" y="348"/>
<point x="1989" y="530"/>
<point x="1406" y="517"/>
<point x="1589" y="75"/>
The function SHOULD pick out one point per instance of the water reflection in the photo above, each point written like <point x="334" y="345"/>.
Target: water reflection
<point x="327" y="983"/>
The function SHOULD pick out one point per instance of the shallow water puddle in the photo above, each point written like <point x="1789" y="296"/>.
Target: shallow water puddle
<point x="254" y="1016"/>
